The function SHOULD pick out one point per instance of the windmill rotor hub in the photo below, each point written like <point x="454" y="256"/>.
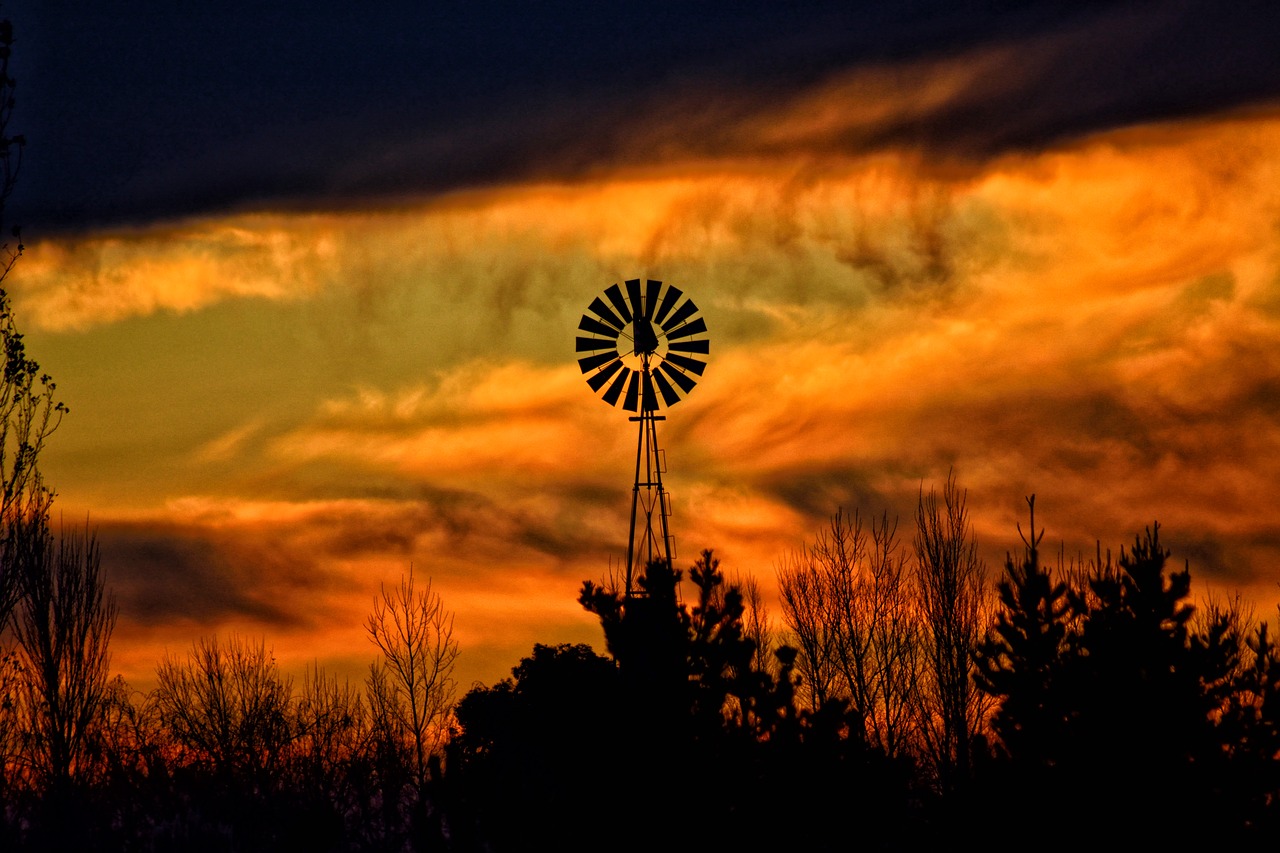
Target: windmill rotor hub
<point x="639" y="345"/>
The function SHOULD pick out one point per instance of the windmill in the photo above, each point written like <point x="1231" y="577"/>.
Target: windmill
<point x="643" y="353"/>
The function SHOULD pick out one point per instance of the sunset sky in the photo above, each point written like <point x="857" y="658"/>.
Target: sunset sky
<point x="308" y="277"/>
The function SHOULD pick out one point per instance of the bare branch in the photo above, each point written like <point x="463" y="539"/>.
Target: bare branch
<point x="411" y="689"/>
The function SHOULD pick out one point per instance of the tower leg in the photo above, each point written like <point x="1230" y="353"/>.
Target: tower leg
<point x="635" y="502"/>
<point x="647" y="497"/>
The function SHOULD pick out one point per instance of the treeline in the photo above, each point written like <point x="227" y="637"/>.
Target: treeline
<point x="899" y="699"/>
<point x="226" y="753"/>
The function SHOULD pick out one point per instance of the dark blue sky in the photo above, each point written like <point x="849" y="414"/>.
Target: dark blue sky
<point x="145" y="110"/>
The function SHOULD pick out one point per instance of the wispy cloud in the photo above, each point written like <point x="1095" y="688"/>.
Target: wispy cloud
<point x="79" y="282"/>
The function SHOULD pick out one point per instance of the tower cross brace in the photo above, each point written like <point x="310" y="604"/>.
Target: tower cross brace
<point x="648" y="497"/>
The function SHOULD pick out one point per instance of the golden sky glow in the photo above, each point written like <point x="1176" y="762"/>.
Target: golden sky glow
<point x="271" y="414"/>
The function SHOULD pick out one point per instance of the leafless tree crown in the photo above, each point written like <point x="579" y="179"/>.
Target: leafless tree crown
<point x="411" y="688"/>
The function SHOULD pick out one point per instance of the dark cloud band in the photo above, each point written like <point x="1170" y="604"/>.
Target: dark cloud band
<point x="149" y="113"/>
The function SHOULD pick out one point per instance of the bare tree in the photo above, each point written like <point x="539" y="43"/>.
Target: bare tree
<point x="28" y="416"/>
<point x="63" y="629"/>
<point x="330" y="720"/>
<point x="891" y="623"/>
<point x="951" y="586"/>
<point x="126" y="738"/>
<point x="803" y="594"/>
<point x="411" y="687"/>
<point x="756" y="623"/>
<point x="846" y="602"/>
<point x="327" y="766"/>
<point x="226" y="707"/>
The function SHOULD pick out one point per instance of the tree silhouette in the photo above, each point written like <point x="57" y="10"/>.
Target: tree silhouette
<point x="1112" y="701"/>
<point x="227" y="705"/>
<point x="951" y="590"/>
<point x="411" y="686"/>
<point x="1249" y="728"/>
<point x="327" y="772"/>
<point x="410" y="694"/>
<point x="846" y="599"/>
<point x="225" y="710"/>
<point x="133" y="787"/>
<point x="703" y="718"/>
<point x="62" y="630"/>
<point x="1021" y="660"/>
<point x="535" y="761"/>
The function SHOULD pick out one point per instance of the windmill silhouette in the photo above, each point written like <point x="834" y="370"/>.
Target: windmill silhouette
<point x="643" y="353"/>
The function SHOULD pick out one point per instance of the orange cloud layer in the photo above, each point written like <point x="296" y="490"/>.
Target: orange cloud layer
<point x="1097" y="324"/>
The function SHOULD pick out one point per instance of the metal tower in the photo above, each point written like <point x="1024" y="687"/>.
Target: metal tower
<point x="648" y="498"/>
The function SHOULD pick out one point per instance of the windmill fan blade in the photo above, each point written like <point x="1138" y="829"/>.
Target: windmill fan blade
<point x="611" y="396"/>
<point x="690" y="364"/>
<point x="650" y="399"/>
<point x="593" y="344"/>
<point x="597" y="381"/>
<point x="633" y="294"/>
<point x="591" y="362"/>
<point x="615" y="296"/>
<point x="673" y="293"/>
<point x="703" y="346"/>
<point x="590" y="324"/>
<point x="669" y="395"/>
<point x="688" y="309"/>
<point x="604" y="312"/>
<point x="651" y="289"/>
<point x="697" y="326"/>
<point x="684" y="380"/>
<point x="631" y="401"/>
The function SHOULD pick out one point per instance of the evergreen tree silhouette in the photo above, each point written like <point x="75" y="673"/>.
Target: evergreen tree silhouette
<point x="1023" y="657"/>
<point x="1114" y="707"/>
<point x="755" y="773"/>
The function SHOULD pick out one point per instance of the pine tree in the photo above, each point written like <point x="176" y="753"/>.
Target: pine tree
<point x="1023" y="658"/>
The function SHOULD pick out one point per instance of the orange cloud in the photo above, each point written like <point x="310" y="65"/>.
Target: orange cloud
<point x="85" y="281"/>
<point x="1098" y="324"/>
